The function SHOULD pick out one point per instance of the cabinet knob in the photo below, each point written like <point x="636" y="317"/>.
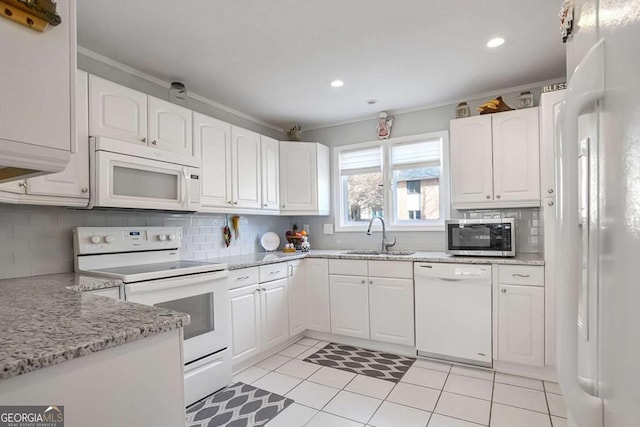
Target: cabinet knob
<point x="550" y="191"/>
<point x="488" y="196"/>
<point x="497" y="196"/>
<point x="144" y="140"/>
<point x="363" y="281"/>
<point x="550" y="203"/>
<point x="84" y="189"/>
<point x="371" y="282"/>
<point x="23" y="184"/>
<point x="283" y="206"/>
<point x="264" y="205"/>
<point x="154" y="142"/>
<point x="229" y="202"/>
<point x="235" y="203"/>
<point x="503" y="290"/>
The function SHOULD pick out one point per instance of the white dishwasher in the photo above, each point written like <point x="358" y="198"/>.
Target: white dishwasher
<point x="453" y="312"/>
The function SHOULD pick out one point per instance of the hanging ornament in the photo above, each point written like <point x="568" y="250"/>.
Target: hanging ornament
<point x="566" y="20"/>
<point x="384" y="125"/>
<point x="226" y="232"/>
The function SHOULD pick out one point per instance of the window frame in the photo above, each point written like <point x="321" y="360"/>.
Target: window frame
<point x="387" y="178"/>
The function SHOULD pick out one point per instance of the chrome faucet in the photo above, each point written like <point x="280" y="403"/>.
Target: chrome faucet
<point x="386" y="244"/>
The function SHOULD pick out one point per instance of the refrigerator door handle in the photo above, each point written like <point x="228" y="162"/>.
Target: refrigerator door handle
<point x="585" y="88"/>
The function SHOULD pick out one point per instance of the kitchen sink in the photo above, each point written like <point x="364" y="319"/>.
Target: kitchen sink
<point x="371" y="252"/>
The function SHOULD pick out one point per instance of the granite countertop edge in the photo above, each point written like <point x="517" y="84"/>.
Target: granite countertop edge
<point x="74" y="324"/>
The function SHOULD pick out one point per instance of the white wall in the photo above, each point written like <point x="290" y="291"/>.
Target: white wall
<point x="37" y="240"/>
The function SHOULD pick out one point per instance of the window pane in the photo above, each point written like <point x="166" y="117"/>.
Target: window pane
<point x="417" y="193"/>
<point x="363" y="195"/>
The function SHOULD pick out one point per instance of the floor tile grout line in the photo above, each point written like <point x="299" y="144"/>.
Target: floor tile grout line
<point x="546" y="400"/>
<point x="493" y="390"/>
<point x="439" y="395"/>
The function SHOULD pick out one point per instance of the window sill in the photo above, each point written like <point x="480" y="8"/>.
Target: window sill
<point x="390" y="228"/>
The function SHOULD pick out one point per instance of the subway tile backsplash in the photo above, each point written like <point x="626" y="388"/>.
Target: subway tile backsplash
<point x="528" y="225"/>
<point x="37" y="240"/>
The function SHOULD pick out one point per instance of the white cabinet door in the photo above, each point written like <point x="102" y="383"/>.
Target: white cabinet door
<point x="521" y="324"/>
<point x="316" y="274"/>
<point x="549" y="109"/>
<point x="212" y="138"/>
<point x="38" y="74"/>
<point x="391" y="310"/>
<point x="516" y="156"/>
<point x="297" y="289"/>
<point x="117" y="112"/>
<point x="74" y="180"/>
<point x="298" y="176"/>
<point x="349" y="306"/>
<point x="275" y="313"/>
<point x="471" y="160"/>
<point x="245" y="322"/>
<point x="170" y="127"/>
<point x="245" y="155"/>
<point x="270" y="173"/>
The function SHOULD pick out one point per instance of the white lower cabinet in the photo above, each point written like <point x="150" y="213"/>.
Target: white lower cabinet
<point x="318" y="301"/>
<point x="349" y="306"/>
<point x="297" y="290"/>
<point x="521" y="315"/>
<point x="391" y="310"/>
<point x="245" y="322"/>
<point x="259" y="311"/>
<point x="275" y="313"/>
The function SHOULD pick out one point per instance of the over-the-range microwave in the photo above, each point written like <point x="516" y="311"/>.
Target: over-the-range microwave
<point x="481" y="237"/>
<point x="125" y="175"/>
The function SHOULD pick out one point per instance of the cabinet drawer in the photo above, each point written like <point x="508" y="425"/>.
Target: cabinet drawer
<point x="521" y="275"/>
<point x="273" y="272"/>
<point x="348" y="267"/>
<point x="392" y="269"/>
<point x="243" y="277"/>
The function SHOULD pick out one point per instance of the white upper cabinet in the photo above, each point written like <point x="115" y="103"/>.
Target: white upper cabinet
<point x="36" y="102"/>
<point x="549" y="109"/>
<point x="471" y="160"/>
<point x="270" y="173"/>
<point x="495" y="160"/>
<point x="212" y="138"/>
<point x="245" y="156"/>
<point x="304" y="178"/>
<point x="516" y="157"/>
<point x="169" y="126"/>
<point x="117" y="112"/>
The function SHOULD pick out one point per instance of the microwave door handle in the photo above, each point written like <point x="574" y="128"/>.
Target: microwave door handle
<point x="186" y="191"/>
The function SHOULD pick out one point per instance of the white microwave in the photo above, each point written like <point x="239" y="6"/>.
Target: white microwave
<point x="120" y="180"/>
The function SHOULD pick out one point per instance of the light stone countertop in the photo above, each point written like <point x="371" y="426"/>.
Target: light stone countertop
<point x="46" y="321"/>
<point x="263" y="258"/>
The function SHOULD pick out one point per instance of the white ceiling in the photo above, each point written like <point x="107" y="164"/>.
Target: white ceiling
<point x="274" y="59"/>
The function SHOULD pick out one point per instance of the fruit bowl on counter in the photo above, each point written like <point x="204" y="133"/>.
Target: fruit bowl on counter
<point x="296" y="238"/>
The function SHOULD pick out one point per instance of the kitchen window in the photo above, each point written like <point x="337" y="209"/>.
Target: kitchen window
<point x="404" y="180"/>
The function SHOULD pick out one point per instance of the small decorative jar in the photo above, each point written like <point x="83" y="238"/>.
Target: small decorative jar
<point x="525" y="100"/>
<point x="305" y="245"/>
<point x="463" y="110"/>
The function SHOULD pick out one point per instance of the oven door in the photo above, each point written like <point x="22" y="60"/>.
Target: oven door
<point x="123" y="181"/>
<point x="204" y="297"/>
<point x="487" y="239"/>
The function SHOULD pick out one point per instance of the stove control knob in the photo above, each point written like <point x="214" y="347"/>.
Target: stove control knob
<point x="162" y="237"/>
<point x="172" y="237"/>
<point x="108" y="239"/>
<point x="95" y="239"/>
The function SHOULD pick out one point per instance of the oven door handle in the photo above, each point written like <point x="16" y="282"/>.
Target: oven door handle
<point x="175" y="282"/>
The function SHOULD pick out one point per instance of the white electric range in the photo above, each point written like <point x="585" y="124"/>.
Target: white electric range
<point x="147" y="260"/>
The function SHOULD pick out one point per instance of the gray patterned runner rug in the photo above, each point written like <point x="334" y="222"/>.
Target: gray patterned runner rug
<point x="376" y="364"/>
<point x="239" y="405"/>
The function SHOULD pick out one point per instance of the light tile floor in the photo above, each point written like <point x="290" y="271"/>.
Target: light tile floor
<point x="431" y="394"/>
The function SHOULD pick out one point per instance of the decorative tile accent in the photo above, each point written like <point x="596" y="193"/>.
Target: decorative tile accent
<point x="376" y="364"/>
<point x="239" y="405"/>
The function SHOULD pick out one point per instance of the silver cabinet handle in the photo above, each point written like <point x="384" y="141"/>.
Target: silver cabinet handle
<point x="271" y="273"/>
<point x="144" y="140"/>
<point x="550" y="191"/>
<point x="242" y="278"/>
<point x="257" y="290"/>
<point x="488" y="196"/>
<point x="426" y="266"/>
<point x="23" y="184"/>
<point x="520" y="275"/>
<point x="503" y="290"/>
<point x="154" y="142"/>
<point x="291" y="270"/>
<point x="84" y="189"/>
<point x="263" y="289"/>
<point x="497" y="196"/>
<point x="550" y="203"/>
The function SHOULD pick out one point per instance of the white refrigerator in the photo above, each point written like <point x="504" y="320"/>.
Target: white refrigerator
<point x="598" y="217"/>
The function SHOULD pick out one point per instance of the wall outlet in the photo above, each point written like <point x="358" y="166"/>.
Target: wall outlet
<point x="328" y="229"/>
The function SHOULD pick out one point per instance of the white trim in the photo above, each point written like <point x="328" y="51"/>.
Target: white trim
<point x="437" y="104"/>
<point x="387" y="171"/>
<point x="130" y="70"/>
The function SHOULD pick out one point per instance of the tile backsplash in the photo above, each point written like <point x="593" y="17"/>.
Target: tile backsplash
<point x="37" y="240"/>
<point x="528" y="226"/>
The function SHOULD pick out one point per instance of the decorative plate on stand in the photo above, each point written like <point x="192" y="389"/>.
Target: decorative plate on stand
<point x="270" y="241"/>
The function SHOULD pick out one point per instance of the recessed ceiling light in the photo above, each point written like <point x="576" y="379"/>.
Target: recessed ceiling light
<point x="495" y="42"/>
<point x="337" y="83"/>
